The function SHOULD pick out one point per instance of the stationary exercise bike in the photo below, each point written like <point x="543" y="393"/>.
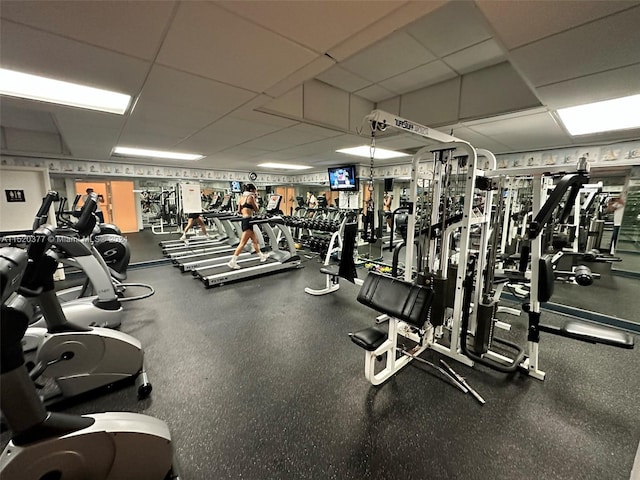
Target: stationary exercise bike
<point x="50" y="446"/>
<point x="78" y="359"/>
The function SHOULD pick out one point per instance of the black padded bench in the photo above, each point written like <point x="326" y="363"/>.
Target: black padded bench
<point x="396" y="298"/>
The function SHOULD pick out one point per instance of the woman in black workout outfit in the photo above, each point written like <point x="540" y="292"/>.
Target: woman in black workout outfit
<point x="246" y="206"/>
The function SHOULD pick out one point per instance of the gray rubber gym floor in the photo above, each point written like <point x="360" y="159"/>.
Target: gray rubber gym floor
<point x="258" y="380"/>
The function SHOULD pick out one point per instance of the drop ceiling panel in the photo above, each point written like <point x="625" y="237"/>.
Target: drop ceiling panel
<point x="317" y="131"/>
<point x="423" y="76"/>
<point x="609" y="137"/>
<point x="592" y="88"/>
<point x="519" y="23"/>
<point x="18" y="140"/>
<point x="289" y="104"/>
<point x="494" y="90"/>
<point x="406" y="13"/>
<point x="16" y="116"/>
<point x="475" y="57"/>
<point x="343" y="79"/>
<point x="316" y="25"/>
<point x="31" y="51"/>
<point x="173" y="87"/>
<point x="207" y="40"/>
<point x="474" y="138"/>
<point x="89" y="135"/>
<point x="226" y="133"/>
<point x="432" y="106"/>
<point x="402" y="141"/>
<point x="85" y="22"/>
<point x="454" y="26"/>
<point x="598" y="46"/>
<point x="163" y="119"/>
<point x="283" y="139"/>
<point x="154" y="137"/>
<point x="244" y="151"/>
<point x="526" y="132"/>
<point x="358" y="108"/>
<point x="375" y="93"/>
<point x="396" y="54"/>
<point x="326" y="104"/>
<point x="246" y="112"/>
<point x="307" y="72"/>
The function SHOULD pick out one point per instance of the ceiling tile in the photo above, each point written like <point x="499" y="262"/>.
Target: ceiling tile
<point x="375" y="93"/>
<point x="17" y="116"/>
<point x="526" y="132"/>
<point x="406" y="13"/>
<point x="85" y="22"/>
<point x="248" y="112"/>
<point x="31" y="51"/>
<point x="402" y="141"/>
<point x="326" y="105"/>
<point x="150" y="136"/>
<point x="494" y="90"/>
<point x="454" y="26"/>
<point x="592" y="88"/>
<point x="434" y="105"/>
<point x="283" y="139"/>
<point x="481" y="55"/>
<point x="519" y="23"/>
<point x="595" y="47"/>
<point x="199" y="42"/>
<point x="89" y="135"/>
<point x="423" y="76"/>
<point x="171" y="87"/>
<point x="396" y="54"/>
<point x="317" y="131"/>
<point x="168" y="119"/>
<point x="474" y="138"/>
<point x="358" y="108"/>
<point x="316" y="25"/>
<point x="225" y="133"/>
<point x="306" y="73"/>
<point x="343" y="79"/>
<point x="289" y="105"/>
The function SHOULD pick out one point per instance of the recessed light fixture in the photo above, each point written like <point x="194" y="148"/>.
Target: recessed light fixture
<point x="283" y="166"/>
<point x="617" y="114"/>
<point x="33" y="87"/>
<point x="365" y="151"/>
<point x="141" y="152"/>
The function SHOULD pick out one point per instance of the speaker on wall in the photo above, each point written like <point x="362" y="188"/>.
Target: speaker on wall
<point x="388" y="184"/>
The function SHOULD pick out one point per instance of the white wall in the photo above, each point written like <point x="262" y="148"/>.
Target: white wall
<point x="35" y="183"/>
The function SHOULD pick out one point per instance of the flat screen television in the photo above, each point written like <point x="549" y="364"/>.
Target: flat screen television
<point x="235" y="187"/>
<point x="343" y="179"/>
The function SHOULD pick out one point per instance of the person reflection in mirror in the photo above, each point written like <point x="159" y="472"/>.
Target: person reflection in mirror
<point x="98" y="211"/>
<point x="615" y="206"/>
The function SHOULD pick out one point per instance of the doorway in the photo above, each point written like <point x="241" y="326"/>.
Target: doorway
<point x="288" y="202"/>
<point x="119" y="205"/>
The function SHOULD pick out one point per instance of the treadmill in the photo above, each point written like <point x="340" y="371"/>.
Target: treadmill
<point x="199" y="257"/>
<point x="209" y="259"/>
<point x="251" y="266"/>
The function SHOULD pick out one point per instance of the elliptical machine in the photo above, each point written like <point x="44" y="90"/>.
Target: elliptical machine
<point x="78" y="359"/>
<point x="44" y="445"/>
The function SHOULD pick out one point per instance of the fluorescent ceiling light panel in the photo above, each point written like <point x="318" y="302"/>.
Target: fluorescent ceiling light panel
<point x="141" y="152"/>
<point x="33" y="87"/>
<point x="284" y="166"/>
<point x="617" y="114"/>
<point x="365" y="151"/>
